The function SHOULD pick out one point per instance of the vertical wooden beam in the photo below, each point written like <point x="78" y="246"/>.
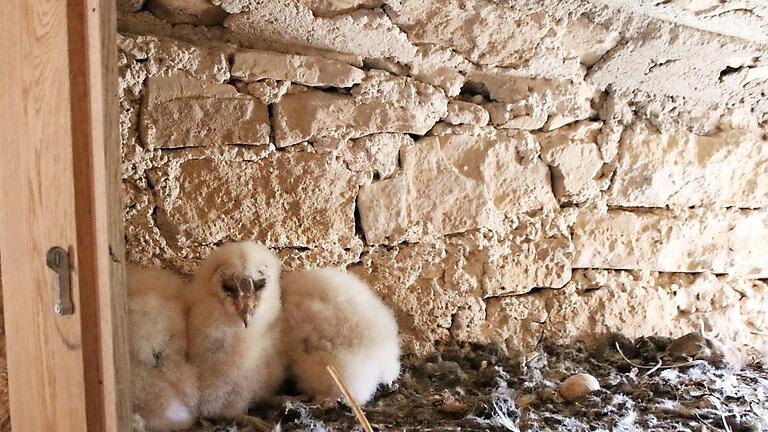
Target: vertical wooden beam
<point x="96" y="145"/>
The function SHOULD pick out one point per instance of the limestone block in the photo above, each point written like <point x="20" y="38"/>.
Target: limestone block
<point x="485" y="32"/>
<point x="140" y="56"/>
<point x="525" y="115"/>
<point x="268" y="91"/>
<point x="517" y="323"/>
<point x="643" y="303"/>
<point x="527" y="146"/>
<point x="698" y="75"/>
<point x="144" y="244"/>
<point x="448" y="79"/>
<point x="253" y="65"/>
<point x="375" y="155"/>
<point x="277" y="200"/>
<point x="382" y="103"/>
<point x="198" y="12"/>
<point x="133" y="157"/>
<point x="324" y="8"/>
<point x="575" y="159"/>
<point x="752" y="304"/>
<point x="406" y="92"/>
<point x="185" y="112"/>
<point x="560" y="101"/>
<point x="466" y="113"/>
<point x="430" y="287"/>
<point x="635" y="304"/>
<point x="726" y="169"/>
<point x="234" y="6"/>
<point x="451" y="184"/>
<point x="366" y="33"/>
<point x="732" y="241"/>
<point x="590" y="41"/>
<point x="519" y="268"/>
<point x="440" y="67"/>
<point x="746" y="20"/>
<point x="535" y="254"/>
<point x="593" y="304"/>
<point x="310" y="258"/>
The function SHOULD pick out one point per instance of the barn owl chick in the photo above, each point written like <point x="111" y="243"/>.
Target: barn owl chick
<point x="330" y="317"/>
<point x="164" y="389"/>
<point x="234" y="329"/>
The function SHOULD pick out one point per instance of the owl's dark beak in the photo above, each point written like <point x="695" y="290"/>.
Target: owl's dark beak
<point x="244" y="309"/>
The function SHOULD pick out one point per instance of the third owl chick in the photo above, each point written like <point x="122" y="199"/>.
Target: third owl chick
<point x="330" y="317"/>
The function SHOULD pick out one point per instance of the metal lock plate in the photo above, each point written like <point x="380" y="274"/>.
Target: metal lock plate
<point x="57" y="260"/>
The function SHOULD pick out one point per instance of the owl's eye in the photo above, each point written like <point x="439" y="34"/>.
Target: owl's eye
<point x="230" y="288"/>
<point x="259" y="285"/>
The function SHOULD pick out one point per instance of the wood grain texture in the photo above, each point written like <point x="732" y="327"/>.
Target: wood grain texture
<point x="93" y="64"/>
<point x="45" y="363"/>
<point x="59" y="186"/>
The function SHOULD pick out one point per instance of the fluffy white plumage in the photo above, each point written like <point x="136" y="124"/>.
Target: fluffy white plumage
<point x="234" y="328"/>
<point x="164" y="390"/>
<point x="332" y="317"/>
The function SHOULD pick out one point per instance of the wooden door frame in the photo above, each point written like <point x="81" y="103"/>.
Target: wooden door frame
<point x="97" y="249"/>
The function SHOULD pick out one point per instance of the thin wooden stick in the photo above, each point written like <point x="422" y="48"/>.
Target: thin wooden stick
<point x="352" y="403"/>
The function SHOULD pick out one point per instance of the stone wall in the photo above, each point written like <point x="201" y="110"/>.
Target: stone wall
<point x="498" y="172"/>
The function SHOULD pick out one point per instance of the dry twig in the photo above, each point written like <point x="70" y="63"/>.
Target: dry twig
<point x="352" y="403"/>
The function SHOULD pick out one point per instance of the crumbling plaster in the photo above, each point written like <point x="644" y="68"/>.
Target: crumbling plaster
<point x="498" y="171"/>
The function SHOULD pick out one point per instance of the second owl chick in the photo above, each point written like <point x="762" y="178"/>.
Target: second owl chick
<point x="330" y="317"/>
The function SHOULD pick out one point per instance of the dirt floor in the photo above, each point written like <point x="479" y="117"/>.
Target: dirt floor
<point x="475" y="388"/>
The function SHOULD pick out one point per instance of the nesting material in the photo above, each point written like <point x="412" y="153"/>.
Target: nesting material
<point x="477" y="388"/>
<point x="577" y="386"/>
